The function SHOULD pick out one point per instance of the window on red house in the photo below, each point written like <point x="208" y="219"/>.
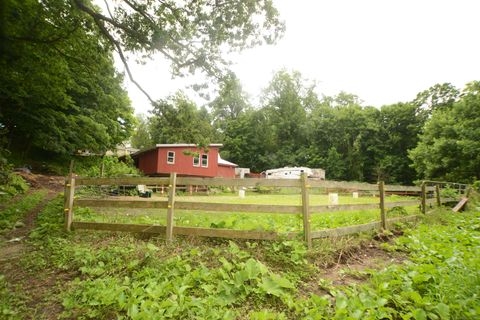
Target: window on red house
<point x="205" y="160"/>
<point x="170" y="157"/>
<point x="196" y="161"/>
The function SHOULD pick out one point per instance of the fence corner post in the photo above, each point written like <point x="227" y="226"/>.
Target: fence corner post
<point x="171" y="205"/>
<point x="424" y="197"/>
<point x="383" y="219"/>
<point x="69" y="193"/>
<point x="306" y="210"/>
<point x="437" y="193"/>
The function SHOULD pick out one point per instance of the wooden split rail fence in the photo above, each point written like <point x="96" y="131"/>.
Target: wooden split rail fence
<point x="305" y="209"/>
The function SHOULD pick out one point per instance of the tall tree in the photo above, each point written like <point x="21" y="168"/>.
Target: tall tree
<point x="191" y="34"/>
<point x="449" y="147"/>
<point x="60" y="91"/>
<point x="141" y="138"/>
<point x="178" y="120"/>
<point x="399" y="128"/>
<point x="439" y="96"/>
<point x="287" y="100"/>
<point x="229" y="104"/>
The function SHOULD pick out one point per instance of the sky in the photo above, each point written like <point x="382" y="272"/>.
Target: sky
<point x="384" y="51"/>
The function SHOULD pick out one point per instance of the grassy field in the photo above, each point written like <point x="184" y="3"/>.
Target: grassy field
<point x="249" y="221"/>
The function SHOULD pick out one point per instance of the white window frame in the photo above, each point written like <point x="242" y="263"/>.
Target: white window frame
<point x="201" y="160"/>
<point x="168" y="157"/>
<point x="198" y="158"/>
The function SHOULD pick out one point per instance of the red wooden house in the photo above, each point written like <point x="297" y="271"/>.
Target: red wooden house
<point x="163" y="159"/>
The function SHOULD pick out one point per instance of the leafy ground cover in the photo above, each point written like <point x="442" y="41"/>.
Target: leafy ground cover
<point x="430" y="272"/>
<point x="12" y="215"/>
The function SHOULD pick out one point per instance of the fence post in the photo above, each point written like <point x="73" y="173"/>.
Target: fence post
<point x="437" y="193"/>
<point x="381" y="189"/>
<point x="171" y="204"/>
<point x="68" y="201"/>
<point x="306" y="210"/>
<point x="424" y="197"/>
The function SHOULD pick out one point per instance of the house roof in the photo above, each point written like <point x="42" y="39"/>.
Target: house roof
<point x="173" y="145"/>
<point x="185" y="145"/>
<point x="226" y="163"/>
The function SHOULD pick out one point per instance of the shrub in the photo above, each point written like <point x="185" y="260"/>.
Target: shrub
<point x="112" y="167"/>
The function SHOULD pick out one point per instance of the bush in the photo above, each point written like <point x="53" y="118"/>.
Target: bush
<point x="10" y="182"/>
<point x="112" y="167"/>
<point x="448" y="192"/>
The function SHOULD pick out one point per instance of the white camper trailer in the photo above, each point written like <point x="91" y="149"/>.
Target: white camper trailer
<point x="287" y="173"/>
<point x="294" y="173"/>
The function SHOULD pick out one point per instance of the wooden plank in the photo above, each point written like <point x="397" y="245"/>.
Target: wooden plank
<point x="342" y="207"/>
<point x="171" y="205"/>
<point x="187" y="231"/>
<point x="424" y="198"/>
<point x="342" y="185"/>
<point x="306" y="211"/>
<point x="405" y="203"/>
<point x="381" y="189"/>
<point x="117" y="203"/>
<point x="248" y="182"/>
<point x="363" y="206"/>
<point x="393" y="187"/>
<point x="69" y="201"/>
<point x="346" y="230"/>
<point x="87" y="181"/>
<point x="359" y="228"/>
<point x="65" y="201"/>
<point x="229" y="233"/>
<point x="227" y="207"/>
<point x="123" y="227"/>
<point x="437" y="193"/>
<point x="460" y="205"/>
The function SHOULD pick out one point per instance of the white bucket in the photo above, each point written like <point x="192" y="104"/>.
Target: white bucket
<point x="333" y="199"/>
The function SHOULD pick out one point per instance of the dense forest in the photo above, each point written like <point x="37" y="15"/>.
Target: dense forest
<point x="432" y="136"/>
<point x="61" y="93"/>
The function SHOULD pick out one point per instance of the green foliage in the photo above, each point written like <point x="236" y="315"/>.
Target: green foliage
<point x="12" y="216"/>
<point x="112" y="167"/>
<point x="448" y="192"/>
<point x="177" y="120"/>
<point x="121" y="276"/>
<point x="11" y="307"/>
<point x="13" y="184"/>
<point x="141" y="138"/>
<point x="449" y="148"/>
<point x="61" y="92"/>
<point x="191" y="35"/>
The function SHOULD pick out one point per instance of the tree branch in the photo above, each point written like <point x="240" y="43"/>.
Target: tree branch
<point x="99" y="18"/>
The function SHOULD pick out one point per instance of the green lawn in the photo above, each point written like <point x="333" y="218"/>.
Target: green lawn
<point x="244" y="220"/>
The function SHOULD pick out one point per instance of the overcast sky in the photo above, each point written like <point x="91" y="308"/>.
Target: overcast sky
<point x="383" y="51"/>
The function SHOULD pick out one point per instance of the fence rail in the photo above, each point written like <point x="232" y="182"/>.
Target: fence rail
<point x="304" y="184"/>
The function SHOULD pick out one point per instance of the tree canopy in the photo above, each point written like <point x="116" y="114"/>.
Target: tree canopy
<point x="449" y="147"/>
<point x="60" y="91"/>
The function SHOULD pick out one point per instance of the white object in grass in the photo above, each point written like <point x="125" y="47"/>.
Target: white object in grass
<point x="333" y="199"/>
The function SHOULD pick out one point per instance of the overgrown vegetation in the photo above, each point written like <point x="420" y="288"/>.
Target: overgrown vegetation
<point x="12" y="216"/>
<point x="125" y="276"/>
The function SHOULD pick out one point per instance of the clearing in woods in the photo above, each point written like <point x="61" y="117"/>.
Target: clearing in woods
<point x="407" y="273"/>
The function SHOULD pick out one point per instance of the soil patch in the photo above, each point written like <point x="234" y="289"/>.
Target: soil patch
<point x="41" y="181"/>
<point x="351" y="269"/>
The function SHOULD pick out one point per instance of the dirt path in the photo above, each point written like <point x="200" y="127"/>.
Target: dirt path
<point x="14" y="240"/>
<point x="28" y="276"/>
